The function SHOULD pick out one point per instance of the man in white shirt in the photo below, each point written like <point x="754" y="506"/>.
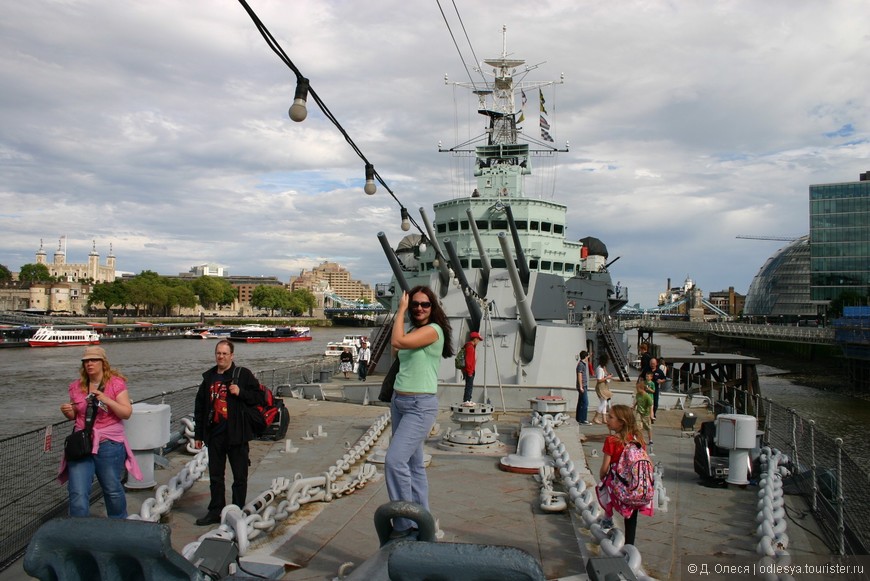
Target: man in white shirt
<point x="363" y="358"/>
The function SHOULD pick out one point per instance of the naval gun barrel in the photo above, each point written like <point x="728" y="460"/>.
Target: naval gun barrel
<point x="470" y="301"/>
<point x="443" y="274"/>
<point x="521" y="257"/>
<point x="485" y="265"/>
<point x="394" y="262"/>
<point x="527" y="320"/>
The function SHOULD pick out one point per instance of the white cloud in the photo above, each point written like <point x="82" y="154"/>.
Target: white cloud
<point x="162" y="127"/>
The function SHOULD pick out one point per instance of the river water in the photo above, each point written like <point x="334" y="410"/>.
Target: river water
<point x="35" y="380"/>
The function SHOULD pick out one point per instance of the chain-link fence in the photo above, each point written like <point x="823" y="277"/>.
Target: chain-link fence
<point x="833" y="485"/>
<point x="30" y="494"/>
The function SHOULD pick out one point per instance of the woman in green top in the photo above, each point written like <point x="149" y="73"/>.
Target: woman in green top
<point x="415" y="401"/>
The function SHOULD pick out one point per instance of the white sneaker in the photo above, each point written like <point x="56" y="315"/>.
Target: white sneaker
<point x="468" y="404"/>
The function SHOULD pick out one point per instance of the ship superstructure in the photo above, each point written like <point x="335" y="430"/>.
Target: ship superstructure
<point x="501" y="264"/>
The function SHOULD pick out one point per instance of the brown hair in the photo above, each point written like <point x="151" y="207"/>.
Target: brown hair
<point x="438" y="316"/>
<point x="629" y="429"/>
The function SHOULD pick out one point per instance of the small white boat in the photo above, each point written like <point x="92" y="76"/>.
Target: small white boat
<point x="335" y="348"/>
<point x="51" y="337"/>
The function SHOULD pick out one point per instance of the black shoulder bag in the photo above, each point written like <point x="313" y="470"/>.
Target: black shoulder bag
<point x="389" y="380"/>
<point x="79" y="444"/>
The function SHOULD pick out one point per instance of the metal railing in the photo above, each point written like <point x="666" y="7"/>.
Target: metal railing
<point x="833" y="485"/>
<point x="817" y="335"/>
<point x="30" y="492"/>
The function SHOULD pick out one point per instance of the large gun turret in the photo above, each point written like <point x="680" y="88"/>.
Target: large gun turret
<point x="521" y="256"/>
<point x="528" y="326"/>
<point x="473" y="307"/>
<point x="394" y="262"/>
<point x="485" y="266"/>
<point x="443" y="273"/>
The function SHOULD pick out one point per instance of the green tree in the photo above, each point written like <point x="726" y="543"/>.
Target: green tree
<point x="35" y="273"/>
<point x="213" y="290"/>
<point x="5" y="274"/>
<point x="302" y="300"/>
<point x="271" y="297"/>
<point x="109" y="294"/>
<point x="182" y="296"/>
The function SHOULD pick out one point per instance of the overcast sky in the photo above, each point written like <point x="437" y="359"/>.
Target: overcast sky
<point x="161" y="127"/>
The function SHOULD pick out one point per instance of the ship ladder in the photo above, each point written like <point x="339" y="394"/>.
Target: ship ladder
<point x="381" y="340"/>
<point x="614" y="352"/>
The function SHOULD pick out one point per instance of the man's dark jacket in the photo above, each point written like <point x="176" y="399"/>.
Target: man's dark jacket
<point x="238" y="426"/>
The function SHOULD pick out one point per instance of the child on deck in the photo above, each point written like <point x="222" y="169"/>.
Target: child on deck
<point x="643" y="403"/>
<point x="650" y="387"/>
<point x="621" y="422"/>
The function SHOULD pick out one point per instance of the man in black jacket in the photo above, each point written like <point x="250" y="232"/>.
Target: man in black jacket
<point x="222" y="424"/>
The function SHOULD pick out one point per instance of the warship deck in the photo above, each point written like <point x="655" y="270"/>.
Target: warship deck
<point x="476" y="502"/>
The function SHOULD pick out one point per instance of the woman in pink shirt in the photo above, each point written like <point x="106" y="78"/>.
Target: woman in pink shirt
<point x="110" y="453"/>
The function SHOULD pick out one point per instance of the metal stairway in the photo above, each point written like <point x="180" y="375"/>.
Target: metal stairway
<point x="617" y="357"/>
<point x="381" y="340"/>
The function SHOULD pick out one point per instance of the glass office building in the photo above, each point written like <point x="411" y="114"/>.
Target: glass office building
<point x="782" y="286"/>
<point x="840" y="239"/>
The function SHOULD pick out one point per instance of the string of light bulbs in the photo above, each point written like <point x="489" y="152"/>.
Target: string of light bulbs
<point x="298" y="112"/>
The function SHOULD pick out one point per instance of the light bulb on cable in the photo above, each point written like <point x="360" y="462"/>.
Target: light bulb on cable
<point x="370" y="187"/>
<point x="299" y="109"/>
<point x="422" y="247"/>
<point x="406" y="221"/>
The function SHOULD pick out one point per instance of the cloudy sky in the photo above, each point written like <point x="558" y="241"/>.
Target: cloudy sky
<point x="161" y="127"/>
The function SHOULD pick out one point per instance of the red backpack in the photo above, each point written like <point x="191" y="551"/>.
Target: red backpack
<point x="633" y="482"/>
<point x="261" y="417"/>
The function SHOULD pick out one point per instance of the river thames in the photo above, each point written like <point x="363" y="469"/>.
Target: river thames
<point x="36" y="380"/>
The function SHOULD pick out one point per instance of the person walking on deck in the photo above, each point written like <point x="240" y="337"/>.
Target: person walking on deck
<point x="221" y="423"/>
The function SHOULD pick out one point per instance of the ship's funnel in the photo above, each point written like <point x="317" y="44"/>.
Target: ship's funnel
<point x="394" y="262"/>
<point x="443" y="273"/>
<point x="521" y="256"/>
<point x="485" y="265"/>
<point x="473" y="306"/>
<point x="528" y="326"/>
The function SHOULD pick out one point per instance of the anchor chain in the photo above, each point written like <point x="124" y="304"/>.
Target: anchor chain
<point x="286" y="496"/>
<point x="582" y="498"/>
<point x="282" y="499"/>
<point x="771" y="531"/>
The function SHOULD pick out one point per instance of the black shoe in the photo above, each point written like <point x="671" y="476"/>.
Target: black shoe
<point x="211" y="518"/>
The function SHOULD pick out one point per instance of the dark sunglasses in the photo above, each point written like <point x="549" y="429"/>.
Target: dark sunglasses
<point x="424" y="304"/>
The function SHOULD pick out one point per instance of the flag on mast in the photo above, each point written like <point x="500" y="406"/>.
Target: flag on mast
<point x="545" y="125"/>
<point x="522" y="116"/>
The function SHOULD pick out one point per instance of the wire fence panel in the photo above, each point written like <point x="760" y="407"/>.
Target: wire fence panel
<point x="30" y="493"/>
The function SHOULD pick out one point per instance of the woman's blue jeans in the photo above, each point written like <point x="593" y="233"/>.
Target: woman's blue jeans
<point x="108" y="466"/>
<point x="412" y="418"/>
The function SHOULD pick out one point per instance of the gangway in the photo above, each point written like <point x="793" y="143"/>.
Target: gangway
<point x="614" y="351"/>
<point x="381" y="340"/>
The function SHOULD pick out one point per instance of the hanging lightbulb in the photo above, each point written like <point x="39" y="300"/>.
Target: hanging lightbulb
<point x="406" y="221"/>
<point x="370" y="187"/>
<point x="422" y="245"/>
<point x="299" y="110"/>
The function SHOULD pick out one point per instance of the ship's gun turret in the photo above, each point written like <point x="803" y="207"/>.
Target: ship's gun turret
<point x="521" y="256"/>
<point x="528" y="326"/>
<point x="394" y="262"/>
<point x="443" y="274"/>
<point x="485" y="266"/>
<point x="472" y="304"/>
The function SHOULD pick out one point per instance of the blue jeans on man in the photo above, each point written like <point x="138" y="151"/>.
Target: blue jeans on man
<point x="583" y="406"/>
<point x="469" y="386"/>
<point x="412" y="417"/>
<point x="108" y="466"/>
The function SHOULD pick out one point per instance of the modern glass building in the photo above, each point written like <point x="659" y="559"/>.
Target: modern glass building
<point x="840" y="239"/>
<point x="782" y="286"/>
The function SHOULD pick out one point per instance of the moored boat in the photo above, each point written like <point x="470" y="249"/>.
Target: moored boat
<point x="335" y="348"/>
<point x="51" y="337"/>
<point x="264" y="334"/>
